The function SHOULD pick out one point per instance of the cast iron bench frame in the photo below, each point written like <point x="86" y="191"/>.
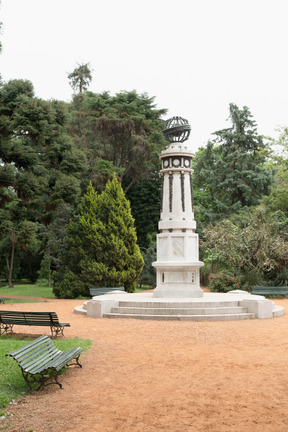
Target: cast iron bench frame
<point x="104" y="290"/>
<point x="40" y="361"/>
<point x="46" y="319"/>
<point x="274" y="291"/>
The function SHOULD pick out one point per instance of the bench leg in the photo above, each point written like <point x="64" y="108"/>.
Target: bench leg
<point x="77" y="362"/>
<point x="40" y="379"/>
<point x="56" y="330"/>
<point x="6" y="328"/>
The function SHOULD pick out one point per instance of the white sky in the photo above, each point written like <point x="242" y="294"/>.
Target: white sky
<point x="194" y="56"/>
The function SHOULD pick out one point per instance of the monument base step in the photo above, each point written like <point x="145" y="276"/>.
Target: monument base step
<point x="237" y="305"/>
<point x="178" y="310"/>
<point x="80" y="310"/>
<point x="213" y="317"/>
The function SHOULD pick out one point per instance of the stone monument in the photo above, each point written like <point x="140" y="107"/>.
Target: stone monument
<point x="177" y="265"/>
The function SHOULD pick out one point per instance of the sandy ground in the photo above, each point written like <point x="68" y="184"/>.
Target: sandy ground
<point x="148" y="376"/>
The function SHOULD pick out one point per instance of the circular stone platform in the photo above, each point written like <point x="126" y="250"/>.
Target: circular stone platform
<point x="234" y="305"/>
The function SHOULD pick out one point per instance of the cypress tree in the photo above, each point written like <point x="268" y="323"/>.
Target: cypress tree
<point x="101" y="248"/>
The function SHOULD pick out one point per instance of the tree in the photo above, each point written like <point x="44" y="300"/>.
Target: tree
<point x="145" y="199"/>
<point x="231" y="169"/>
<point x="39" y="168"/>
<point x="14" y="234"/>
<point x="81" y="77"/>
<point x="278" y="197"/>
<point x="101" y="248"/>
<point x="124" y="130"/>
<point x="251" y="242"/>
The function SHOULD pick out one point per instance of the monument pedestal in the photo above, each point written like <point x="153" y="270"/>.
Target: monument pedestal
<point x="177" y="265"/>
<point x="175" y="280"/>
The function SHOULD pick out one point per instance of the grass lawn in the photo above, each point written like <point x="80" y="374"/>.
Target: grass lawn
<point x="38" y="290"/>
<point x="12" y="383"/>
<point x="27" y="290"/>
<point x="15" y="300"/>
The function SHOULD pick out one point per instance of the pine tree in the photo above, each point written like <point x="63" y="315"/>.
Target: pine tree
<point x="101" y="247"/>
<point x="231" y="168"/>
<point x="81" y="77"/>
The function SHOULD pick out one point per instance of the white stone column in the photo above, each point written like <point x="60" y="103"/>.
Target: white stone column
<point x="177" y="265"/>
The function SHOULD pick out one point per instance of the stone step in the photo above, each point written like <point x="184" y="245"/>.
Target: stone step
<point x="220" y="317"/>
<point x="178" y="311"/>
<point x="80" y="310"/>
<point x="179" y="304"/>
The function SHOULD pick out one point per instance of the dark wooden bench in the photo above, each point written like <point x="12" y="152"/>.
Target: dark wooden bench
<point x="104" y="290"/>
<point x="46" y="319"/>
<point x="3" y="299"/>
<point x="270" y="291"/>
<point x="40" y="361"/>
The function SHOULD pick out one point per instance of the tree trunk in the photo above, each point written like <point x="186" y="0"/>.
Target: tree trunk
<point x="11" y="264"/>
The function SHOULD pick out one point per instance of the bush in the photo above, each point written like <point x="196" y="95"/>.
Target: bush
<point x="70" y="287"/>
<point x="224" y="281"/>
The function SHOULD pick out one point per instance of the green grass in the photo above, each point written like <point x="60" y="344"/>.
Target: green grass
<point x="15" y="300"/>
<point x="27" y="290"/>
<point x="144" y="288"/>
<point x="12" y="383"/>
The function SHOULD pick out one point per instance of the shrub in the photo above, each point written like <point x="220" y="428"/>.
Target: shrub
<point x="70" y="286"/>
<point x="224" y="281"/>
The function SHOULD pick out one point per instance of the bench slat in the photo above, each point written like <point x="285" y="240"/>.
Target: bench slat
<point x="265" y="290"/>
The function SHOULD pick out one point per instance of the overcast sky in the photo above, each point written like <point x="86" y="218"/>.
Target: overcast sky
<point x="194" y="56"/>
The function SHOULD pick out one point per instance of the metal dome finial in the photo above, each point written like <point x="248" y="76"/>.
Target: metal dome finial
<point x="176" y="129"/>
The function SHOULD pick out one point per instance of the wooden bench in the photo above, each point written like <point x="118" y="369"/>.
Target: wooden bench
<point x="104" y="290"/>
<point x="270" y="291"/>
<point x="46" y="319"/>
<point x="40" y="361"/>
<point x="3" y="299"/>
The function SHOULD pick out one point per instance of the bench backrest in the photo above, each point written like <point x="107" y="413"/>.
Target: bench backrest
<point x="280" y="289"/>
<point x="34" y="355"/>
<point x="29" y="318"/>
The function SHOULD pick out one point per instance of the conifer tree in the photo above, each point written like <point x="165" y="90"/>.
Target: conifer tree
<point x="231" y="168"/>
<point x="101" y="248"/>
<point x="81" y="77"/>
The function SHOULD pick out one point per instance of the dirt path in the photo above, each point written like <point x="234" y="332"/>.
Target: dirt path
<point x="148" y="376"/>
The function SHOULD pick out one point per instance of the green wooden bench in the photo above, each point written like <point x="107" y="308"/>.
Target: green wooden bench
<point x="270" y="291"/>
<point x="47" y="319"/>
<point x="104" y="290"/>
<point x="40" y="361"/>
<point x="3" y="299"/>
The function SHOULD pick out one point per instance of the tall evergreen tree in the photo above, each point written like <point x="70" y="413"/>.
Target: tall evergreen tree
<point x="124" y="131"/>
<point x="145" y="200"/>
<point x="39" y="168"/>
<point x="231" y="168"/>
<point x="101" y="248"/>
<point x="81" y="77"/>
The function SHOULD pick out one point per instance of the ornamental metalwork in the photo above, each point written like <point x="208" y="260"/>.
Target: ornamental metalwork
<point x="176" y="129"/>
<point x="182" y="192"/>
<point x="170" y="191"/>
<point x="162" y="194"/>
<point x="191" y="187"/>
